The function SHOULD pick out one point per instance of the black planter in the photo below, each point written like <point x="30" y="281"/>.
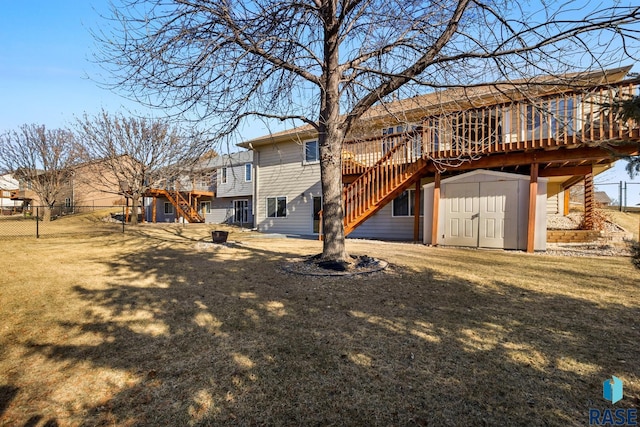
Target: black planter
<point x="219" y="236"/>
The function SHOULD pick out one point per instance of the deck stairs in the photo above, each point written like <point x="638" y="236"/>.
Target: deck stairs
<point x="396" y="171"/>
<point x="182" y="205"/>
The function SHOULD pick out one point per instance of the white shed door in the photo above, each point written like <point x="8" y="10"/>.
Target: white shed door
<point x="461" y="213"/>
<point x="498" y="215"/>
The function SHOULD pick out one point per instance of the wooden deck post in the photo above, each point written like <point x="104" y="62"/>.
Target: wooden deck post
<point x="436" y="209"/>
<point x="589" y="204"/>
<point x="416" y="212"/>
<point x="567" y="198"/>
<point x="533" y="193"/>
<point x="154" y="209"/>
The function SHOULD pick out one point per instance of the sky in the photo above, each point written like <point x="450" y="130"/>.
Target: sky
<point x="47" y="75"/>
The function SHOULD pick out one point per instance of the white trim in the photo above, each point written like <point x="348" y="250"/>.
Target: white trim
<point x="504" y="175"/>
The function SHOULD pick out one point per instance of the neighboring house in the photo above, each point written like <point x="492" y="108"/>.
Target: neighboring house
<point x="83" y="189"/>
<point x="216" y="190"/>
<point x="552" y="137"/>
<point x="602" y="198"/>
<point x="8" y="185"/>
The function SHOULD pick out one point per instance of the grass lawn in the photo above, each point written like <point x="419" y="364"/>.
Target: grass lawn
<point x="155" y="327"/>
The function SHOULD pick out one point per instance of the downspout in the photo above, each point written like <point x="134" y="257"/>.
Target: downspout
<point x="254" y="196"/>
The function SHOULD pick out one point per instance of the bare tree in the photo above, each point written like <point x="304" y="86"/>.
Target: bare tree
<point x="41" y="159"/>
<point x="324" y="63"/>
<point x="131" y="154"/>
<point x="629" y="110"/>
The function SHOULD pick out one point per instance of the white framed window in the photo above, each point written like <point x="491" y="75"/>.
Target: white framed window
<point x="223" y="175"/>
<point x="67" y="202"/>
<point x="404" y="205"/>
<point x="205" y="207"/>
<point x="241" y="211"/>
<point x="391" y="130"/>
<point x="248" y="172"/>
<point x="311" y="151"/>
<point x="168" y="208"/>
<point x="277" y="207"/>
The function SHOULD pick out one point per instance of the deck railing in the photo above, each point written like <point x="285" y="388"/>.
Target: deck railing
<point x="584" y="117"/>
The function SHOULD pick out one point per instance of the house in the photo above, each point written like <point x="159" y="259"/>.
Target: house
<point x="602" y="198"/>
<point x="83" y="187"/>
<point x="8" y="185"/>
<point x="552" y="134"/>
<point x="216" y="190"/>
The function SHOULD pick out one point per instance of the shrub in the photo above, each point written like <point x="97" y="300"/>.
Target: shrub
<point x="635" y="254"/>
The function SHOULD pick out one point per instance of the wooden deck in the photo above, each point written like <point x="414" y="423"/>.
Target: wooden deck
<point x="184" y="202"/>
<point x="562" y="134"/>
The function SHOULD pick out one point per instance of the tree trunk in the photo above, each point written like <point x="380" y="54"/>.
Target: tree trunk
<point x="46" y="213"/>
<point x="134" y="209"/>
<point x="332" y="210"/>
<point x="331" y="136"/>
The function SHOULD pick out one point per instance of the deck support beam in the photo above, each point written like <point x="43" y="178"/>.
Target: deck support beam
<point x="416" y="212"/>
<point x="533" y="196"/>
<point x="589" y="200"/>
<point x="436" y="210"/>
<point x="567" y="198"/>
<point x="154" y="209"/>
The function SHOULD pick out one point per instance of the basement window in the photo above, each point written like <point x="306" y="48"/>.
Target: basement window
<point x="404" y="204"/>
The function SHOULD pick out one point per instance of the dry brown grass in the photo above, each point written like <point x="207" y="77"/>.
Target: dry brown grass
<point x="630" y="221"/>
<point x="158" y="328"/>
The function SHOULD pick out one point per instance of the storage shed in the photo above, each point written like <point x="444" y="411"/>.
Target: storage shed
<point x="486" y="209"/>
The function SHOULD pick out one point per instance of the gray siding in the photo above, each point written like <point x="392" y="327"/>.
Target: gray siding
<point x="383" y="225"/>
<point x="160" y="215"/>
<point x="236" y="185"/>
<point x="281" y="172"/>
<point x="222" y="211"/>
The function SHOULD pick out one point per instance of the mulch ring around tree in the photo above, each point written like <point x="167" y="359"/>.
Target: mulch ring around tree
<point x="315" y="266"/>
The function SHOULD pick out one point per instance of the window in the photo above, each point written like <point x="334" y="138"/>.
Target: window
<point x="247" y="172"/>
<point x="168" y="208"/>
<point x="276" y="207"/>
<point x="223" y="178"/>
<point x="311" y="152"/>
<point x="391" y="130"/>
<point x="67" y="202"/>
<point x="205" y="208"/>
<point x="404" y="204"/>
<point x="241" y="211"/>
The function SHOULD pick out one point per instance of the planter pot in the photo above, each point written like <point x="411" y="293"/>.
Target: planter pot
<point x="219" y="236"/>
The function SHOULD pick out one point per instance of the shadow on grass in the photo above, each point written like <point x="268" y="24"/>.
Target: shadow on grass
<point x="225" y="337"/>
<point x="7" y="393"/>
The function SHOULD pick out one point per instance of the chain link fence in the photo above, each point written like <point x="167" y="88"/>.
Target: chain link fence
<point x="625" y="196"/>
<point x="38" y="221"/>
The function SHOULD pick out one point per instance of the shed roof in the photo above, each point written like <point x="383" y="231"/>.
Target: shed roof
<point x="499" y="176"/>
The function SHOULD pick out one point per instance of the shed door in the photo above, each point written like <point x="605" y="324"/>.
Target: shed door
<point x="461" y="213"/>
<point x="498" y="215"/>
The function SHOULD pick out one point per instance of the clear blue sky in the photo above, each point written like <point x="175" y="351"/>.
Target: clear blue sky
<point x="46" y="69"/>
